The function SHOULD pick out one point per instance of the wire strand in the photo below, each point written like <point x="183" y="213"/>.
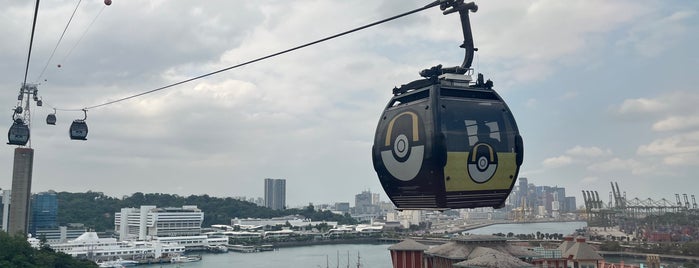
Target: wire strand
<point x="31" y="42"/>
<point x="59" y="42"/>
<point x="433" y="4"/>
<point x="83" y="35"/>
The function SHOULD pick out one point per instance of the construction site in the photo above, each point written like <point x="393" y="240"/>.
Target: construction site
<point x="631" y="215"/>
<point x="620" y="208"/>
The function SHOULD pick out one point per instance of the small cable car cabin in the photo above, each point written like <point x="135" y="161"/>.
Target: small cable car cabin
<point x="78" y="130"/>
<point x="446" y="141"/>
<point x="18" y="133"/>
<point x="51" y="119"/>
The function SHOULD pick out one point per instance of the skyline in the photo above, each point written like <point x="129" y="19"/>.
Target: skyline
<point x="601" y="92"/>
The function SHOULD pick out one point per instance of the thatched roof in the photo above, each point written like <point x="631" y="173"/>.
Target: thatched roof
<point x="408" y="245"/>
<point x="483" y="257"/>
<point x="582" y="251"/>
<point x="467" y="247"/>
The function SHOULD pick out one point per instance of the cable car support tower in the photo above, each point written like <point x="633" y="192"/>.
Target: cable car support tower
<point x="19" y="134"/>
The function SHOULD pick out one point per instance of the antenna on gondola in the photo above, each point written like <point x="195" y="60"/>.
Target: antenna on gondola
<point x="78" y="129"/>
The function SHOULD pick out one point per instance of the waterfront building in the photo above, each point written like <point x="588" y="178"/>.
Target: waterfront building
<point x="90" y="246"/>
<point x="21" y="190"/>
<point x="148" y="222"/>
<point x="275" y="193"/>
<point x="61" y="234"/>
<point x="44" y="212"/>
<point x="4" y="208"/>
<point x="257" y="223"/>
<point x="407" y="254"/>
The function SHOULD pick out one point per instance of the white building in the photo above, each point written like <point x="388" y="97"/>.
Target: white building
<point x="405" y="217"/>
<point x="90" y="246"/>
<point x="148" y="222"/>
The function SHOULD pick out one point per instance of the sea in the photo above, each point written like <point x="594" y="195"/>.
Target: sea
<point x="349" y="255"/>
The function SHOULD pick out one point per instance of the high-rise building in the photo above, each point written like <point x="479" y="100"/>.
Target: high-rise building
<point x="44" y="212"/>
<point x="364" y="203"/>
<point x="4" y="208"/>
<point x="21" y="190"/>
<point x="275" y="193"/>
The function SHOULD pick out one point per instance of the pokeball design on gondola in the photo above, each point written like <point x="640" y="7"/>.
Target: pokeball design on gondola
<point x="482" y="163"/>
<point x="403" y="151"/>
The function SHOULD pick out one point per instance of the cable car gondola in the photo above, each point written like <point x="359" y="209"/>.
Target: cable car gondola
<point x="78" y="129"/>
<point x="51" y="118"/>
<point x="18" y="133"/>
<point x="446" y="141"/>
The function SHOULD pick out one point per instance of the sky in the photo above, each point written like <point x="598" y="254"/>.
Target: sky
<point x="602" y="92"/>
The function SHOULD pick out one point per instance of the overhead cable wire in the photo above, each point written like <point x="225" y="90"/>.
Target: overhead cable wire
<point x="83" y="35"/>
<point x="31" y="42"/>
<point x="433" y="4"/>
<point x="59" y="42"/>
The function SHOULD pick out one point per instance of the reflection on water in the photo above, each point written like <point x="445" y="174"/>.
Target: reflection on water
<point x="311" y="256"/>
<point x="564" y="228"/>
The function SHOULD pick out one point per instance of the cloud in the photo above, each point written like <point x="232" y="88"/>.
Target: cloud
<point x="617" y="164"/>
<point x="641" y="106"/>
<point x="532" y="103"/>
<point x="589" y="180"/>
<point x="672" y="103"/>
<point x="558" y="161"/>
<point x="677" y="123"/>
<point x="652" y="37"/>
<point x="588" y="151"/>
<point x="677" y="144"/>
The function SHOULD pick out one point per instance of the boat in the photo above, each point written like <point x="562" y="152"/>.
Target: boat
<point x="118" y="263"/>
<point x="217" y="249"/>
<point x="183" y="258"/>
<point x="242" y="248"/>
<point x="265" y="248"/>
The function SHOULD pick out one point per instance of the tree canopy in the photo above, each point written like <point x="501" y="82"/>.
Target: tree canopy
<point x="15" y="251"/>
<point x="96" y="210"/>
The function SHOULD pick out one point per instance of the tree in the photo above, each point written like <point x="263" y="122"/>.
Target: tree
<point x="15" y="251"/>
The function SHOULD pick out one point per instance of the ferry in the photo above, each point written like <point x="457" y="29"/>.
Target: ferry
<point x="182" y="259"/>
<point x="92" y="247"/>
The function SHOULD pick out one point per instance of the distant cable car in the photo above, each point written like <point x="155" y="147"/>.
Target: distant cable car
<point x="18" y="133"/>
<point x="51" y="118"/>
<point x="446" y="141"/>
<point x="78" y="129"/>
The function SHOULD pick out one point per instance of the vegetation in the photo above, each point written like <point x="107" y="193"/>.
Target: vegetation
<point x="96" y="210"/>
<point x="15" y="251"/>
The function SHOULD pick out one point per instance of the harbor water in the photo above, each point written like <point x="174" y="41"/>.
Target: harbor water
<point x="565" y="228"/>
<point x="348" y="255"/>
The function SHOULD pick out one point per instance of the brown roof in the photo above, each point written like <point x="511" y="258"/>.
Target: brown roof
<point x="582" y="251"/>
<point x="458" y="250"/>
<point x="408" y="245"/>
<point x="450" y="250"/>
<point x="488" y="257"/>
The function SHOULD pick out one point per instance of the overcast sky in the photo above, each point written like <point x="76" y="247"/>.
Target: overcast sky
<point x="601" y="90"/>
